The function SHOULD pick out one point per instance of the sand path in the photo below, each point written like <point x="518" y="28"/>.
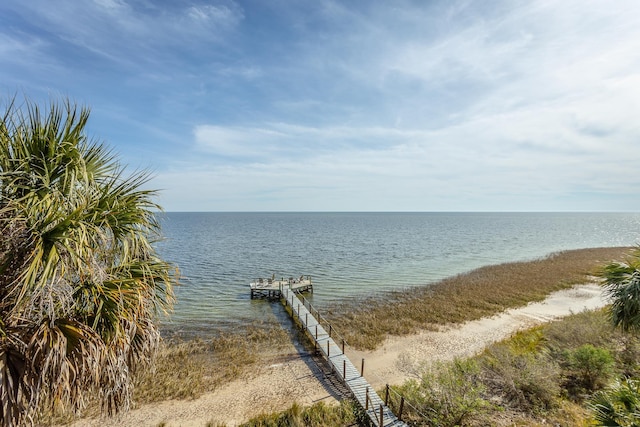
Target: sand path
<point x="295" y="378"/>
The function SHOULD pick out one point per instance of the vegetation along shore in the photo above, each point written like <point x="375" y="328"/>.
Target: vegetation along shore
<point x="547" y="374"/>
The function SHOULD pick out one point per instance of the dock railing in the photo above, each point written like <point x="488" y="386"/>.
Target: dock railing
<point x="332" y="345"/>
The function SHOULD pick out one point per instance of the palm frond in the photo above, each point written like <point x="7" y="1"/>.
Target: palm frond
<point x="80" y="281"/>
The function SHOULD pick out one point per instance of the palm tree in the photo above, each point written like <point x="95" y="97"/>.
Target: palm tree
<point x="622" y="286"/>
<point x="80" y="282"/>
<point x="617" y="406"/>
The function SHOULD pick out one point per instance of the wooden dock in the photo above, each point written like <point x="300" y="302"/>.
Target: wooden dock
<point x="272" y="288"/>
<point x="376" y="409"/>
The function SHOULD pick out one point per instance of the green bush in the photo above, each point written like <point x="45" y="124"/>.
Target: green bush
<point x="526" y="382"/>
<point x="589" y="368"/>
<point x="449" y="394"/>
<point x="591" y="327"/>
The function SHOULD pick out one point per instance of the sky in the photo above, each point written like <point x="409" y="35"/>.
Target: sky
<point x="292" y="105"/>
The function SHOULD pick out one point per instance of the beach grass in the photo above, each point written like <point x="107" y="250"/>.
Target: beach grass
<point x="186" y="370"/>
<point x="486" y="291"/>
<point x="346" y="413"/>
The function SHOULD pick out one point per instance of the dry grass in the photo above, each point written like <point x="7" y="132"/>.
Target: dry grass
<point x="479" y="293"/>
<point x="186" y="370"/>
<point x="317" y="415"/>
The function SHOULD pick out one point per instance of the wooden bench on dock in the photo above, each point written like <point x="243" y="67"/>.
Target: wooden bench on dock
<point x="272" y="288"/>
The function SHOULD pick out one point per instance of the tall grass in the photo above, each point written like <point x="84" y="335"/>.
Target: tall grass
<point x="317" y="415"/>
<point x="186" y="370"/>
<point x="479" y="293"/>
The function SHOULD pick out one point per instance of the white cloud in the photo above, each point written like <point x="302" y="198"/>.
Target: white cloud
<point x="338" y="106"/>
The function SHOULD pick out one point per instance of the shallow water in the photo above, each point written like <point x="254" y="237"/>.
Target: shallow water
<point x="354" y="254"/>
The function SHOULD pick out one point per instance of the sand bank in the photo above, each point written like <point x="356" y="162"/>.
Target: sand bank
<point x="296" y="378"/>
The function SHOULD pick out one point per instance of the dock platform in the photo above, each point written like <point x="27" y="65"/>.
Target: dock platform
<point x="272" y="288"/>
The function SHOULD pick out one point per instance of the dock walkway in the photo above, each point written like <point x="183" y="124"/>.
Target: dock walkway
<point x="366" y="396"/>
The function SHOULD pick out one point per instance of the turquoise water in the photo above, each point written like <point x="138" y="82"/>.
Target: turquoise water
<point x="354" y="254"/>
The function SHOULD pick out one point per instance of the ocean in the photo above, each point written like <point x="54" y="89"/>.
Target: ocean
<point x="350" y="255"/>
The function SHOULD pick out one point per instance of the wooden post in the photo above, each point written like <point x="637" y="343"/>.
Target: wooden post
<point x="366" y="400"/>
<point x="330" y="328"/>
<point x="401" y="408"/>
<point x="381" y="416"/>
<point x="343" y="346"/>
<point x="327" y="348"/>
<point x="386" y="396"/>
<point x="316" y="331"/>
<point x="306" y="319"/>
<point x="362" y="368"/>
<point x="344" y="369"/>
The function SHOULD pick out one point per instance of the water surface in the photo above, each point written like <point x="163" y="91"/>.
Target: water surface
<point x="355" y="254"/>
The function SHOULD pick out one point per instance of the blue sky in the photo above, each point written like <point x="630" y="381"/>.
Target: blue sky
<point x="348" y="106"/>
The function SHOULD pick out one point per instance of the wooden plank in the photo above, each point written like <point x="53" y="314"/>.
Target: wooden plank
<point x="358" y="385"/>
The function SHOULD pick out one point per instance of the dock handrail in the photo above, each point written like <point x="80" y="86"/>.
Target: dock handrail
<point x="333" y="332"/>
<point x="376" y="409"/>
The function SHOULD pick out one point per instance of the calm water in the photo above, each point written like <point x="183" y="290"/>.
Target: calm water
<point x="351" y="254"/>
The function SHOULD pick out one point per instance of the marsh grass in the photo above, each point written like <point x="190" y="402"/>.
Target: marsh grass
<point x="317" y="415"/>
<point x="186" y="370"/>
<point x="479" y="293"/>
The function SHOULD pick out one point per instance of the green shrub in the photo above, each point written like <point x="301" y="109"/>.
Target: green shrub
<point x="529" y="341"/>
<point x="591" y="327"/>
<point x="589" y="368"/>
<point x="449" y="394"/>
<point x="527" y="382"/>
<point x="628" y="357"/>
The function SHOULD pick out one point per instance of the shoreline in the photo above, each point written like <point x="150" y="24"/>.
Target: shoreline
<point x="276" y="381"/>
<point x="278" y="384"/>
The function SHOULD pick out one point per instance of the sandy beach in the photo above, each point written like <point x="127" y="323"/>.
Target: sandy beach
<point x="296" y="377"/>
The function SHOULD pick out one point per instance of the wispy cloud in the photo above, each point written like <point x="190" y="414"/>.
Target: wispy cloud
<point x="334" y="105"/>
<point x="131" y="33"/>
